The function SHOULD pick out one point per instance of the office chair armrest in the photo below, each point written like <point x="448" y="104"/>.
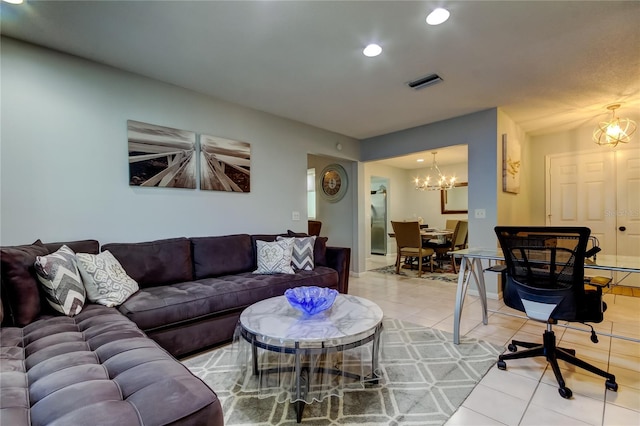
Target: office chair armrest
<point x="597" y="281"/>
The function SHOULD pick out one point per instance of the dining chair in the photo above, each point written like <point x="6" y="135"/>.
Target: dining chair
<point x="409" y="244"/>
<point x="458" y="241"/>
<point x="314" y="227"/>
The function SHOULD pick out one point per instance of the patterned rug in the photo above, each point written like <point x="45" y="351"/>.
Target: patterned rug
<point x="439" y="274"/>
<point x="425" y="378"/>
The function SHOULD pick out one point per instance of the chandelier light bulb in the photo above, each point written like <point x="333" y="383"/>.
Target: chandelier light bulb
<point x="439" y="182"/>
<point x="614" y="131"/>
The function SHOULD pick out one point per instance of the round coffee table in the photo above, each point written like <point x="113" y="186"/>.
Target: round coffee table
<point x="275" y="326"/>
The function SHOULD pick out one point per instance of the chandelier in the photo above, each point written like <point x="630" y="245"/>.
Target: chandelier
<point x="435" y="180"/>
<point x="614" y="131"/>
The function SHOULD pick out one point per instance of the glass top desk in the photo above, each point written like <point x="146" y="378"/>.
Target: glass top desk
<point x="471" y="267"/>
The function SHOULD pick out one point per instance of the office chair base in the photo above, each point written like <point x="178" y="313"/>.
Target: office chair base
<point x="552" y="353"/>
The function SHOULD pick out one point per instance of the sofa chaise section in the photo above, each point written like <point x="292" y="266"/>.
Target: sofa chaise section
<point x="97" y="366"/>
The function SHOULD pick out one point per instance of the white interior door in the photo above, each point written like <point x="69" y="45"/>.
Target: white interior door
<point x="600" y="190"/>
<point x="628" y="202"/>
<point x="580" y="194"/>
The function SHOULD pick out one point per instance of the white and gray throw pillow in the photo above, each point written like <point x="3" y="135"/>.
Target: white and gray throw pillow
<point x="302" y="255"/>
<point x="105" y="279"/>
<point x="61" y="281"/>
<point x="274" y="257"/>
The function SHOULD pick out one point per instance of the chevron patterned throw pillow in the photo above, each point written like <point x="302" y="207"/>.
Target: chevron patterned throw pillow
<point x="58" y="273"/>
<point x="302" y="255"/>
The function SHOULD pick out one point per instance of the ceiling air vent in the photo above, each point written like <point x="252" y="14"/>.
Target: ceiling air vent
<point x="427" y="80"/>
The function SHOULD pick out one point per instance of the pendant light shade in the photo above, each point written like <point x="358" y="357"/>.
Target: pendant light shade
<point x="615" y="131"/>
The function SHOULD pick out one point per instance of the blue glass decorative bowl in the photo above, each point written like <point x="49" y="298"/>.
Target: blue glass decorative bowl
<point x="311" y="300"/>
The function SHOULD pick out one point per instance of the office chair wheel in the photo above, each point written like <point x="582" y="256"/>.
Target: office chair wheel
<point x="611" y="385"/>
<point x="512" y="347"/>
<point x="565" y="393"/>
<point x="501" y="365"/>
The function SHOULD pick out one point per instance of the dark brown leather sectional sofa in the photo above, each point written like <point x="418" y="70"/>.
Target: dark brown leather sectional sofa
<point x="115" y="365"/>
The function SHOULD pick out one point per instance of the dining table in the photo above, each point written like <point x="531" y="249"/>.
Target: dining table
<point x="431" y="233"/>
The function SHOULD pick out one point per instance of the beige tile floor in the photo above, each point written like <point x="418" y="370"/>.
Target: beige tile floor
<point x="526" y="393"/>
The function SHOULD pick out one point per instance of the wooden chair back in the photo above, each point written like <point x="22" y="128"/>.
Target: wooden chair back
<point x="451" y="224"/>
<point x="459" y="238"/>
<point x="314" y="227"/>
<point x="407" y="234"/>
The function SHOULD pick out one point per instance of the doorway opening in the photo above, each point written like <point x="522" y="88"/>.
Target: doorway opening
<point x="379" y="215"/>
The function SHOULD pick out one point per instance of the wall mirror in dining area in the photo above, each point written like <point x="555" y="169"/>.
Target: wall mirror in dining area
<point x="454" y="200"/>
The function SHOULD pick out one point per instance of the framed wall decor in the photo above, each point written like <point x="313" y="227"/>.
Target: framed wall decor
<point x="225" y="164"/>
<point x="455" y="200"/>
<point x="333" y="182"/>
<point x="511" y="163"/>
<point x="161" y="156"/>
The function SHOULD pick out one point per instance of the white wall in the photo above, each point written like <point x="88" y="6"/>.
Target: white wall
<point x="576" y="140"/>
<point x="514" y="209"/>
<point x="64" y="169"/>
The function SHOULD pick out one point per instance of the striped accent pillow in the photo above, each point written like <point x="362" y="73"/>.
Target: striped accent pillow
<point x="58" y="273"/>
<point x="302" y="255"/>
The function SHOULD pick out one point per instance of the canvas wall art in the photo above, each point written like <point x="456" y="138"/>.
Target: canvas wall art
<point x="511" y="163"/>
<point x="161" y="156"/>
<point x="225" y="164"/>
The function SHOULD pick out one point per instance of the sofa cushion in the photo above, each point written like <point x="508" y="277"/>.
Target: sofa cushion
<point x="104" y="278"/>
<point x="19" y="283"/>
<point x="156" y="307"/>
<point x="224" y="255"/>
<point x="274" y="257"/>
<point x="58" y="273"/>
<point x="99" y="366"/>
<point x="80" y="246"/>
<point x="156" y="262"/>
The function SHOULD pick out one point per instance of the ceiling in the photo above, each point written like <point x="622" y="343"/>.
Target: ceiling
<point x="549" y="66"/>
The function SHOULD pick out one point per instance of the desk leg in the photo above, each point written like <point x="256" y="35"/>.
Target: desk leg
<point x="461" y="290"/>
<point x="478" y="275"/>
<point x="469" y="268"/>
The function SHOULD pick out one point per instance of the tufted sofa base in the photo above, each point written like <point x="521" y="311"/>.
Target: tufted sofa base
<point x="96" y="367"/>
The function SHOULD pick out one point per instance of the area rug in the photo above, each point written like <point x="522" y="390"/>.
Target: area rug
<point x="440" y="275"/>
<point x="425" y="378"/>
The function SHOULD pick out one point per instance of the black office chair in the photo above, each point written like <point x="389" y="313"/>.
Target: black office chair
<point x="545" y="279"/>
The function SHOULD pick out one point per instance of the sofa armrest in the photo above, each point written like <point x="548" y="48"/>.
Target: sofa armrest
<point x="339" y="258"/>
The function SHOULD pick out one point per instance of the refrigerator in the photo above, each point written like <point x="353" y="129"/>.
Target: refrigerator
<point x="379" y="221"/>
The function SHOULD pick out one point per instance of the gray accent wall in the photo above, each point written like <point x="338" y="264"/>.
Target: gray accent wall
<point x="479" y="132"/>
<point x="64" y="157"/>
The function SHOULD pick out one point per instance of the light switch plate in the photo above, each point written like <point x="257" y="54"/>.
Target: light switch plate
<point x="295" y="215"/>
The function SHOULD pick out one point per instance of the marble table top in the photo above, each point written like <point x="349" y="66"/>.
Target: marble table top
<point x="275" y="319"/>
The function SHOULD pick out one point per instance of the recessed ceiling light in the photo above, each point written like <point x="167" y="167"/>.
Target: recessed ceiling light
<point x="372" y="50"/>
<point x="420" y="160"/>
<point x="13" y="1"/>
<point x="438" y="16"/>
